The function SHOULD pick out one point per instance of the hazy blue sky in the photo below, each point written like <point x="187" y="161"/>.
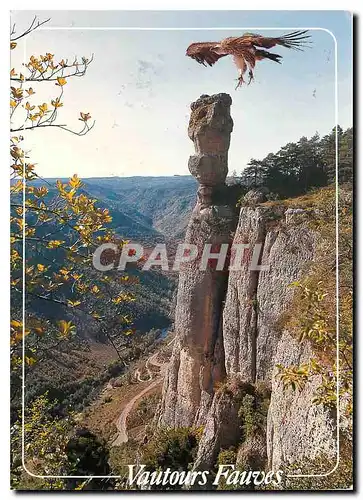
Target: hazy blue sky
<point x="140" y="86"/>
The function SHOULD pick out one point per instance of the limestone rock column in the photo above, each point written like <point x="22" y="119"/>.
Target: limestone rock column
<point x="197" y="362"/>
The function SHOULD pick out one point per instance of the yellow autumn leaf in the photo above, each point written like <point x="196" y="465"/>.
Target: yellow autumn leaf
<point x="20" y="223"/>
<point x="95" y="289"/>
<point x="12" y="103"/>
<point x="29" y="107"/>
<point x="16" y="188"/>
<point x="30" y="91"/>
<point x="30" y="232"/>
<point x="29" y="361"/>
<point x="60" y="186"/>
<point x="61" y="81"/>
<point x="72" y="303"/>
<point x="34" y="117"/>
<point x="15" y="323"/>
<point x="54" y="243"/>
<point x="56" y="103"/>
<point x="74" y="181"/>
<point x="29" y="168"/>
<point x="12" y="45"/>
<point x="43" y="108"/>
<point x="41" y="267"/>
<point x="41" y="191"/>
<point x="80" y="486"/>
<point x="17" y="92"/>
<point x="16" y="152"/>
<point x="65" y="328"/>
<point x="13" y="72"/>
<point x="17" y="331"/>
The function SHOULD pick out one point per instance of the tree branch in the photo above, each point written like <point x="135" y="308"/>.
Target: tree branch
<point x="31" y="28"/>
<point x="51" y="77"/>
<point x="83" y="132"/>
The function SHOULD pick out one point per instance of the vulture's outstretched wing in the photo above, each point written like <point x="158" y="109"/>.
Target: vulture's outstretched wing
<point x="295" y="40"/>
<point x="204" y="52"/>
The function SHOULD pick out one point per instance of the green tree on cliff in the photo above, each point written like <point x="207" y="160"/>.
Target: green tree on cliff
<point x="298" y="167"/>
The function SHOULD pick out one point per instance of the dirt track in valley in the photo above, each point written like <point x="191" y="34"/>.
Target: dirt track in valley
<point x="121" y="422"/>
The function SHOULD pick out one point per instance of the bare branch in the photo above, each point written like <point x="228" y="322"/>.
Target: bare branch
<point x="31" y="28"/>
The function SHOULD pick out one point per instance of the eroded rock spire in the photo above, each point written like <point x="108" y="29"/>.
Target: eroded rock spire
<point x="197" y="362"/>
<point x="210" y="128"/>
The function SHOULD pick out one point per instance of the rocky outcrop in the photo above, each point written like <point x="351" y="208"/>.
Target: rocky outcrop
<point x="257" y="299"/>
<point x="198" y="361"/>
<point x="252" y="453"/>
<point x="297" y="429"/>
<point x="221" y="431"/>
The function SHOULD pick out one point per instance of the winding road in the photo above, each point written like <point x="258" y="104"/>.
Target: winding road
<point x="121" y="422"/>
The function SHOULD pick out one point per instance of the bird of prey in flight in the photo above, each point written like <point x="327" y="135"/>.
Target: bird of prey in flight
<point x="246" y="50"/>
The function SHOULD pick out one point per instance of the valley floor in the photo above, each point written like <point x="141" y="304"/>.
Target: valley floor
<point x="111" y="415"/>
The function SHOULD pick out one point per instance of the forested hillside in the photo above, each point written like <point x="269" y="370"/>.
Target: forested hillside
<point x="298" y="167"/>
<point x="164" y="202"/>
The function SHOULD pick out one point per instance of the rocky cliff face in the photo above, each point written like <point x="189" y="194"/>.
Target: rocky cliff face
<point x="222" y="430"/>
<point x="297" y="429"/>
<point x="254" y="342"/>
<point x="257" y="299"/>
<point x="228" y="321"/>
